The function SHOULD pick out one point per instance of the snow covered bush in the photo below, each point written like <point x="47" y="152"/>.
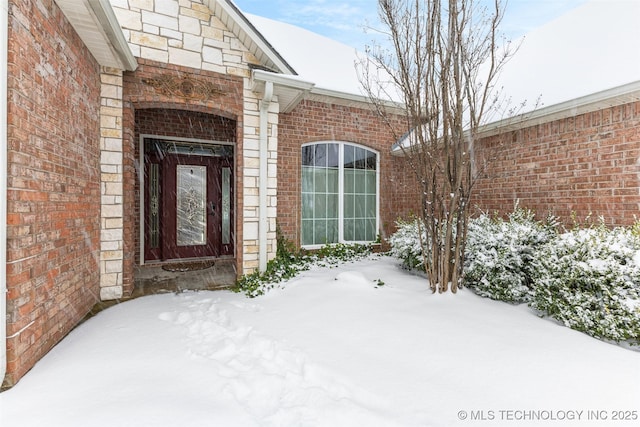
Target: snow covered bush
<point x="590" y="281"/>
<point x="405" y="244"/>
<point x="502" y="256"/>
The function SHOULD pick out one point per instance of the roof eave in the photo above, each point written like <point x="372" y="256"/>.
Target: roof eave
<point x="289" y="90"/>
<point x="249" y="36"/>
<point x="356" y="100"/>
<point x="618" y="95"/>
<point x="96" y="24"/>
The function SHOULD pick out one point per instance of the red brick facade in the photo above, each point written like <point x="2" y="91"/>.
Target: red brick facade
<point x="152" y="110"/>
<point x="53" y="200"/>
<point x="315" y="121"/>
<point x="587" y="164"/>
<point x="582" y="165"/>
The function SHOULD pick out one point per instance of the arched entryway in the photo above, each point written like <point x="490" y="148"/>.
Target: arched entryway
<point x="186" y="186"/>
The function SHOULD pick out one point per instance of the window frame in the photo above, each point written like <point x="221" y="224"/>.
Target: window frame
<point x="341" y="192"/>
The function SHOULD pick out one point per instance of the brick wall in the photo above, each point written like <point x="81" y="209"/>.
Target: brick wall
<point x="151" y="109"/>
<point x="581" y="165"/>
<point x="316" y="121"/>
<point x="53" y="218"/>
<point x="185" y="124"/>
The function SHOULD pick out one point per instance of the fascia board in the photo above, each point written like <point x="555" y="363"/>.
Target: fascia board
<point x="589" y="103"/>
<point x="107" y="18"/>
<point x="244" y="26"/>
<point x="596" y="101"/>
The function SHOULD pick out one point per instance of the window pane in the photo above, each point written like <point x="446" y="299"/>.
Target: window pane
<point x="349" y="181"/>
<point x="349" y="156"/>
<point x="348" y="230"/>
<point x="332" y="180"/>
<point x="370" y="211"/>
<point x="332" y="231"/>
<point x="332" y="206"/>
<point x="360" y="231"/>
<point x="321" y="155"/>
<point x="371" y="234"/>
<point x="348" y="208"/>
<point x="307" y="179"/>
<point x="320" y="230"/>
<point x="307" y="232"/>
<point x="320" y="206"/>
<point x="320" y="185"/>
<point x="307" y="206"/>
<point x="332" y="155"/>
<point x="371" y="160"/>
<point x="361" y="156"/>
<point x="370" y="178"/>
<point x="360" y="201"/>
<point x="360" y="181"/>
<point x="307" y="155"/>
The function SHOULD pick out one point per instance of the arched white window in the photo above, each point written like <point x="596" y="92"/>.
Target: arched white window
<point x="340" y="191"/>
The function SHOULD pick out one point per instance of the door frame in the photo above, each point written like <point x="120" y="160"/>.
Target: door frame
<point x="142" y="183"/>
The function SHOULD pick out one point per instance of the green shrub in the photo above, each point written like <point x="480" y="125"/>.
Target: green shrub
<point x="290" y="261"/>
<point x="405" y="244"/>
<point x="590" y="281"/>
<point x="502" y="256"/>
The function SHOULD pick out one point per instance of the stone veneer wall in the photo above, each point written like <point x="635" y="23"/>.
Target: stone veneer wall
<point x="111" y="186"/>
<point x="53" y="197"/>
<point x="186" y="34"/>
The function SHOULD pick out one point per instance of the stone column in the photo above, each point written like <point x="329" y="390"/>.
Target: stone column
<point x="111" y="185"/>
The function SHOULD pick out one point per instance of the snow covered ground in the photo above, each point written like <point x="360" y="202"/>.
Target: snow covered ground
<point x="330" y="349"/>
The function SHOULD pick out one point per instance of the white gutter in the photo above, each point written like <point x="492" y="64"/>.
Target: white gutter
<point x="618" y="95"/>
<point x="263" y="221"/>
<point x="359" y="99"/>
<point x="4" y="36"/>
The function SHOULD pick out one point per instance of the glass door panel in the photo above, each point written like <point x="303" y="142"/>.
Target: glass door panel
<point x="191" y="209"/>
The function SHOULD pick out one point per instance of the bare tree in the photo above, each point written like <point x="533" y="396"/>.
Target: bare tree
<point x="442" y="63"/>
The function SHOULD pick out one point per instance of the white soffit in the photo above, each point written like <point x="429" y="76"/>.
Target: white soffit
<point x="96" y="24"/>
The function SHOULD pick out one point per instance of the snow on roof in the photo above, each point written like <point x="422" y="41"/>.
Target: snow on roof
<point x="318" y="59"/>
<point x="591" y="48"/>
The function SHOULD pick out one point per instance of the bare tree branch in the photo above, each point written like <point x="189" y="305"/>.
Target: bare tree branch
<point x="442" y="63"/>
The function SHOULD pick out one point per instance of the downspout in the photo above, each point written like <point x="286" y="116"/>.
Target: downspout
<point x="4" y="36"/>
<point x="263" y="221"/>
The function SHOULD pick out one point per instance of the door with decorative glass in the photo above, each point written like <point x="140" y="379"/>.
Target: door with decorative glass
<point x="188" y="200"/>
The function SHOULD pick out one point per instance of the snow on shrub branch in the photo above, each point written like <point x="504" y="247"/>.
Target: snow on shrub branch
<point x="502" y="256"/>
<point x="588" y="279"/>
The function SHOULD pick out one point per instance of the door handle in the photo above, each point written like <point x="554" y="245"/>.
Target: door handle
<point x="212" y="208"/>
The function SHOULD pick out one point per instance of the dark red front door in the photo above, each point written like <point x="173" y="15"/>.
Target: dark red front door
<point x="188" y="202"/>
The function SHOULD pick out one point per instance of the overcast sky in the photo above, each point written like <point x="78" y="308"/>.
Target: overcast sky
<point x="345" y="20"/>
